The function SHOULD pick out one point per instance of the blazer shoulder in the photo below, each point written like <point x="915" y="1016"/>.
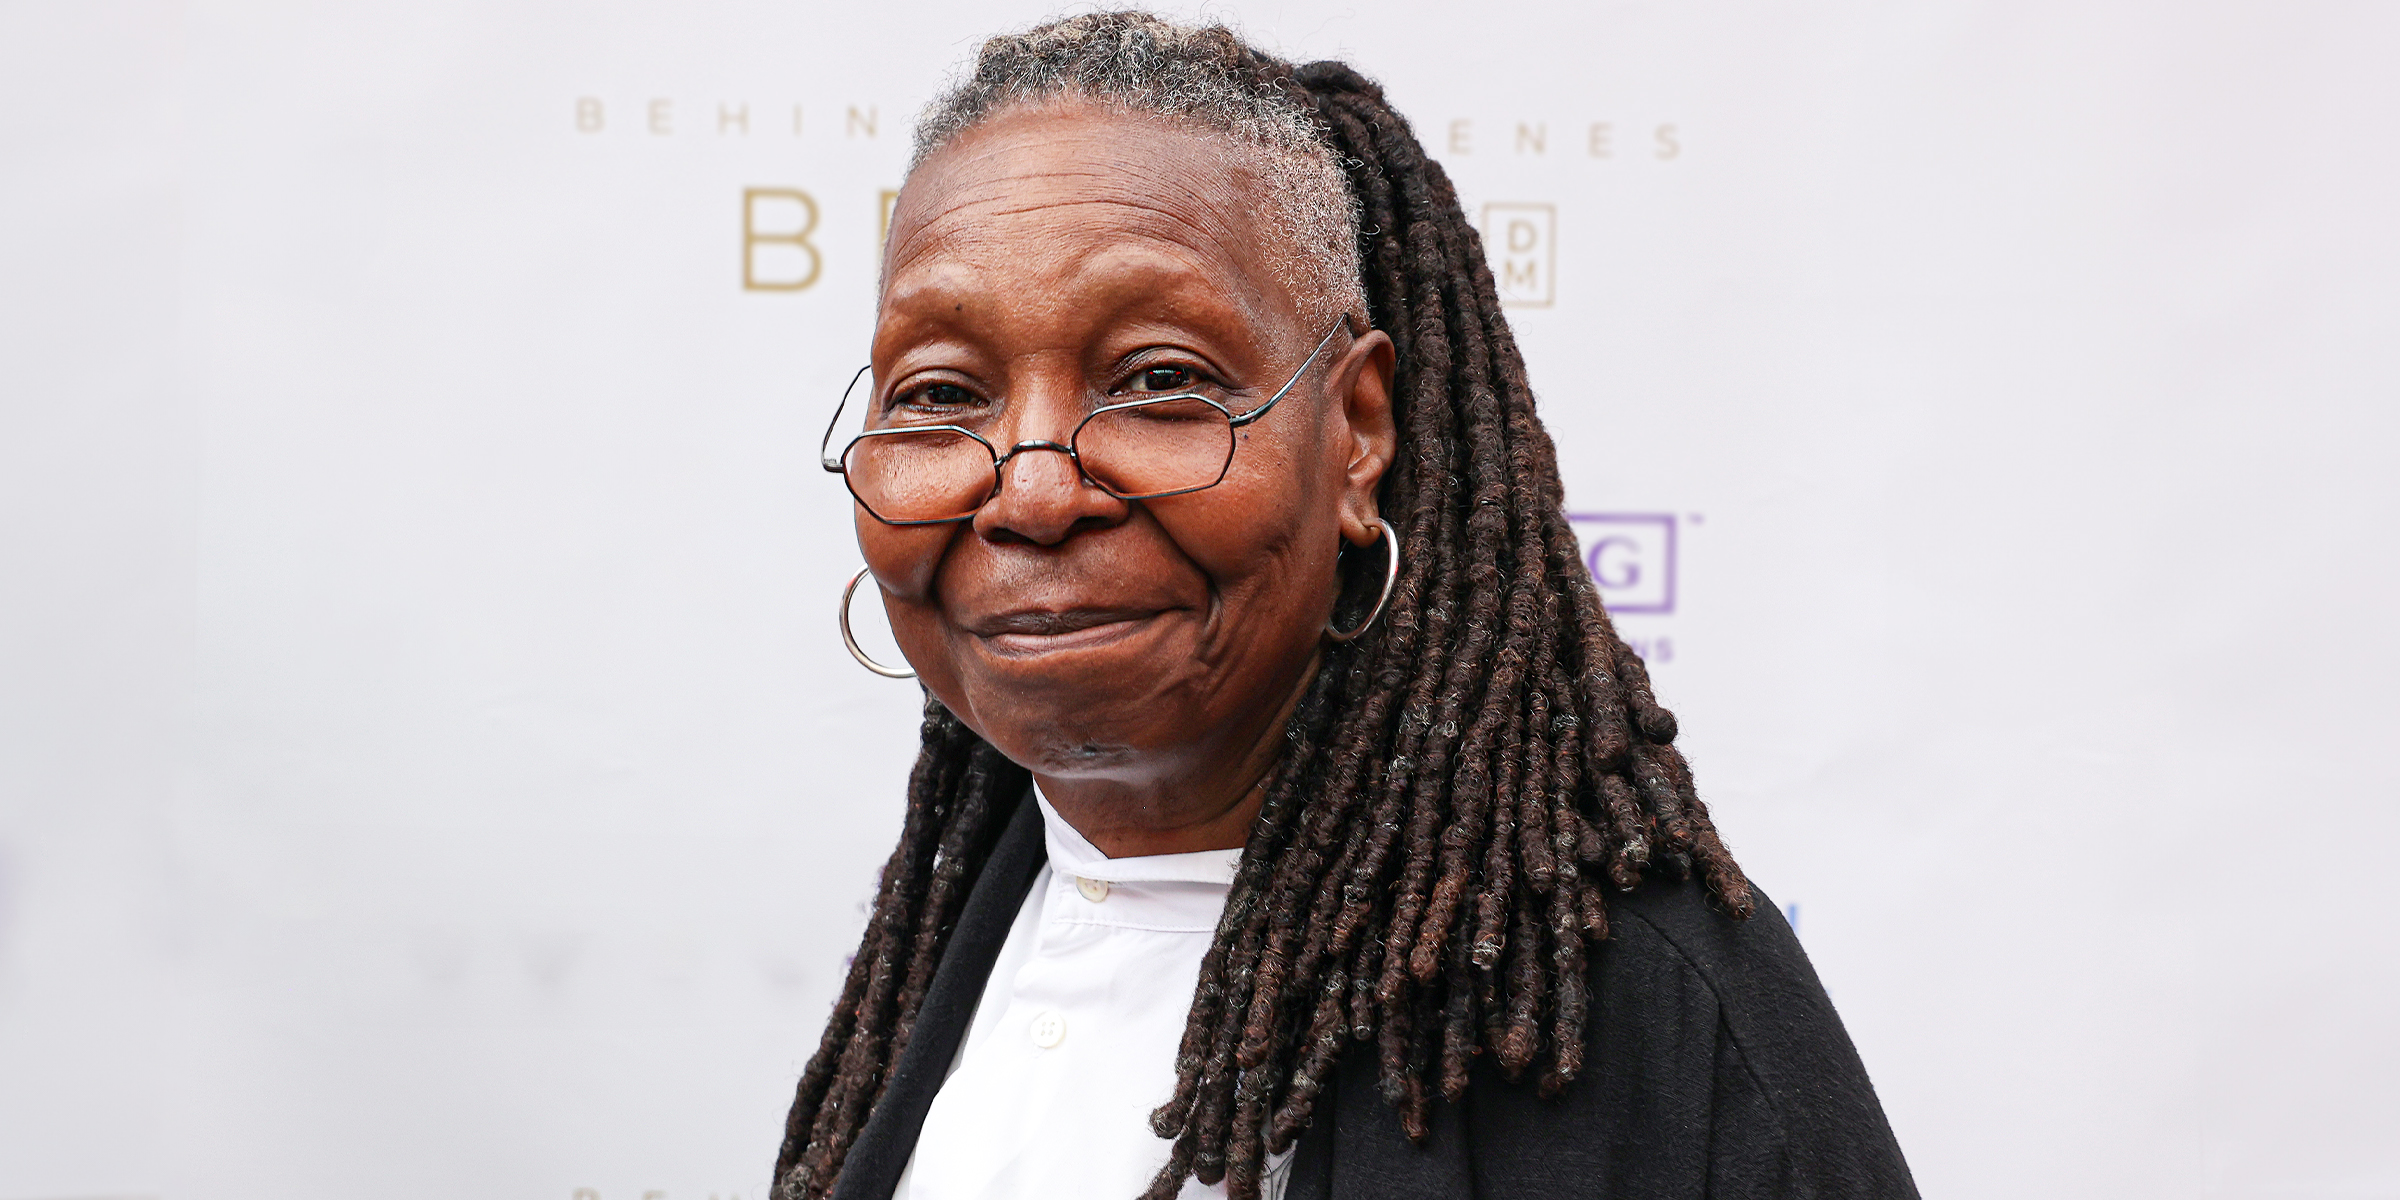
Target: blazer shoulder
<point x="1733" y="955"/>
<point x="1782" y="1029"/>
<point x="1764" y="989"/>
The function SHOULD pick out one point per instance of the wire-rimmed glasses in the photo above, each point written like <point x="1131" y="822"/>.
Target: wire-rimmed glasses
<point x="1136" y="450"/>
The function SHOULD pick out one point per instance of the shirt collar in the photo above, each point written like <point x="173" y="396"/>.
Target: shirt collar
<point x="1072" y="854"/>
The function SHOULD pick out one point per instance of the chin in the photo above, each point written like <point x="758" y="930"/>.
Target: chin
<point x="1071" y="758"/>
<point x="1085" y="710"/>
<point x="1064" y="741"/>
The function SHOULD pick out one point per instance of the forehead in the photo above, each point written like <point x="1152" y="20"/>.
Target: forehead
<point x="1071" y="203"/>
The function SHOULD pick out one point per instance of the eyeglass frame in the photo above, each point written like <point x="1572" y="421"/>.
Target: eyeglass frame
<point x="838" y="464"/>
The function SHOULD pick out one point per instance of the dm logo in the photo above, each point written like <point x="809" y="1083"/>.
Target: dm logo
<point x="1521" y="239"/>
<point x="1632" y="558"/>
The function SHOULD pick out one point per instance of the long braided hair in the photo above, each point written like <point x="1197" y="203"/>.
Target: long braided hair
<point x="1425" y="874"/>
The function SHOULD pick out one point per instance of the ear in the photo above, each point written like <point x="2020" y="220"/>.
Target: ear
<point x="1360" y="390"/>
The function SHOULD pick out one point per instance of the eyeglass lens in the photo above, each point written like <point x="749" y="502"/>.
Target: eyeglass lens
<point x="919" y="474"/>
<point x="1134" y="451"/>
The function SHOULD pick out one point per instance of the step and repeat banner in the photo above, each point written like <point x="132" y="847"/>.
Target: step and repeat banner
<point x="428" y="766"/>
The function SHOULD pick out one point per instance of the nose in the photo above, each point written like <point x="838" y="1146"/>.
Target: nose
<point x="1044" y="497"/>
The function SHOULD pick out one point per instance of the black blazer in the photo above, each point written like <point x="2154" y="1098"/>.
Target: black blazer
<point x="1716" y="1068"/>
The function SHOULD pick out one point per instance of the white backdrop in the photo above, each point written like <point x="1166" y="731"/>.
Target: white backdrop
<point x="427" y="766"/>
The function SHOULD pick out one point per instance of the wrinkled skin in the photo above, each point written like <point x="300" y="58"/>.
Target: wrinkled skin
<point x="1139" y="657"/>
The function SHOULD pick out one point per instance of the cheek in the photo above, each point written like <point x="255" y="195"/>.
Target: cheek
<point x="1266" y="536"/>
<point x="903" y="557"/>
<point x="905" y="560"/>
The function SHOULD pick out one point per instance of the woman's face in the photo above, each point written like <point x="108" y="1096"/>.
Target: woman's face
<point x="1062" y="257"/>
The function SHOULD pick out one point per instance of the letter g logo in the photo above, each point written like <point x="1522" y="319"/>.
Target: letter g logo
<point x="1631" y="557"/>
<point x="1615" y="562"/>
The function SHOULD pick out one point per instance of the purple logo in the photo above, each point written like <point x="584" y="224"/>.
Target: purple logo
<point x="1632" y="557"/>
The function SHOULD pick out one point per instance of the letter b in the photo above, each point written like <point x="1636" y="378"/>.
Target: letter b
<point x="780" y="259"/>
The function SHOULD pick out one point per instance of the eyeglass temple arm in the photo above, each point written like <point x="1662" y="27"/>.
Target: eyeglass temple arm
<point x="825" y="456"/>
<point x="1294" y="382"/>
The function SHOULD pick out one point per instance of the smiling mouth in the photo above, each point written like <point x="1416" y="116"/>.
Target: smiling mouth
<point x="1039" y="632"/>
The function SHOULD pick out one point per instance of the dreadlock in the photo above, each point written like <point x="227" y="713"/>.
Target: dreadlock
<point x="1424" y="877"/>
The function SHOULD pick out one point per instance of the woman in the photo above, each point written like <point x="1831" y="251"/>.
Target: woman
<point x="1290" y="818"/>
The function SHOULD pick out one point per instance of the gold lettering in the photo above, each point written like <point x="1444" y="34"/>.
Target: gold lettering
<point x="885" y="200"/>
<point x="587" y="1194"/>
<point x="795" y="120"/>
<point x="787" y="247"/>
<point x="662" y="117"/>
<point x="1536" y="135"/>
<point x="1599" y="142"/>
<point x="1522" y="239"/>
<point x="1668" y="146"/>
<point x="855" y="121"/>
<point x="1461" y="131"/>
<point x="730" y="117"/>
<point x="589" y="117"/>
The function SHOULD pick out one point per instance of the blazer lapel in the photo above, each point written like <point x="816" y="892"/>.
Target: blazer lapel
<point x="872" y="1168"/>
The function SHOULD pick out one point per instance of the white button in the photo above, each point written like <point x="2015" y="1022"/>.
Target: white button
<point x="1049" y="1029"/>
<point x="1094" y="890"/>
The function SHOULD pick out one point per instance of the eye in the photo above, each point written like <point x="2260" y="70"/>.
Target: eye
<point x="1164" y="379"/>
<point x="934" y="395"/>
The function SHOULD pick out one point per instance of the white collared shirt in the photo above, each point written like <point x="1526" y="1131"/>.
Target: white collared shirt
<point x="1074" y="1041"/>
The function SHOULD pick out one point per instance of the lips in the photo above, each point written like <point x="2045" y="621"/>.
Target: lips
<point x="1047" y="623"/>
<point x="1038" y="631"/>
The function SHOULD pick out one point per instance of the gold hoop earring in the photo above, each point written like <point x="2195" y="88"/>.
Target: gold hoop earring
<point x="1391" y="576"/>
<point x="850" y="643"/>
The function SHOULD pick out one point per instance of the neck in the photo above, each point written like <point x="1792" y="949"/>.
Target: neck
<point x="1122" y="825"/>
<point x="1210" y="805"/>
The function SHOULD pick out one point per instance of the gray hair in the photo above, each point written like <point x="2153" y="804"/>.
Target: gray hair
<point x="1201" y="75"/>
